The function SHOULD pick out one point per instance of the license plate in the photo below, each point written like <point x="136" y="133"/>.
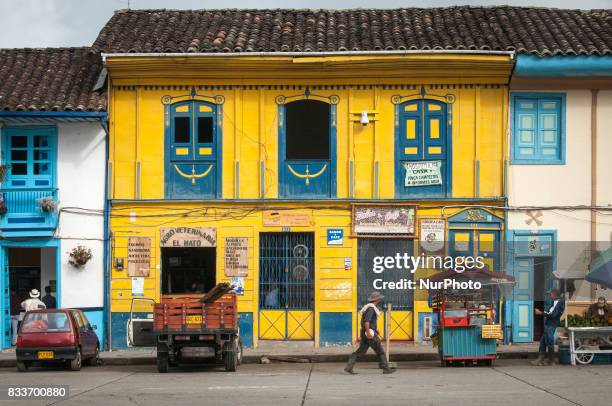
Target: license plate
<point x="45" y="354"/>
<point x="194" y="319"/>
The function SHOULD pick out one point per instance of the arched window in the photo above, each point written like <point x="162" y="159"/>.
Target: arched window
<point x="193" y="151"/>
<point x="307" y="149"/>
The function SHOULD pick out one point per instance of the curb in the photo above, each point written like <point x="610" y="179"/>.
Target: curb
<point x="316" y="358"/>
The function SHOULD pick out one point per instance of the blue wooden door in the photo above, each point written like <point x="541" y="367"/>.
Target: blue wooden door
<point x="5" y="306"/>
<point x="192" y="161"/>
<point x="423" y="155"/>
<point x="522" y="312"/>
<point x="461" y="243"/>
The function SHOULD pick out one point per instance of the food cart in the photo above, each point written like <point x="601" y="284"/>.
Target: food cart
<point x="468" y="322"/>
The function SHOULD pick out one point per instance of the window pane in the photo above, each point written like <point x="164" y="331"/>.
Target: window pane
<point x="19" y="169"/>
<point x="41" y="155"/>
<point x="205" y="130"/>
<point x="526" y="151"/>
<point x="526" y="137"/>
<point x="549" y="137"/>
<point x="41" y="141"/>
<point x="307" y="130"/>
<point x="19" y="155"/>
<point x="549" y="105"/>
<point x="181" y="129"/>
<point x="41" y="169"/>
<point x="526" y="121"/>
<point x="19" y="142"/>
<point x="549" y="121"/>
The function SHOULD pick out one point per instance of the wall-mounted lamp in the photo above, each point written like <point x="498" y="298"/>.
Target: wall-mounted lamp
<point x="364" y="118"/>
<point x="119" y="264"/>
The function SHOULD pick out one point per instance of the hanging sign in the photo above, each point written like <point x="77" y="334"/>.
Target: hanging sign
<point x="431" y="236"/>
<point x="335" y="236"/>
<point x="380" y="219"/>
<point x="236" y="256"/>
<point x="137" y="286"/>
<point x="423" y="173"/>
<point x="284" y="218"/>
<point x="139" y="256"/>
<point x="188" y="237"/>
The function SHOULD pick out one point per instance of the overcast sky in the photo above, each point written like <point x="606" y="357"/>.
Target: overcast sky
<point x="55" y="23"/>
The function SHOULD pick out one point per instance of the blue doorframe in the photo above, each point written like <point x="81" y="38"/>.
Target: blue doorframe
<point x="523" y="246"/>
<point x="5" y="319"/>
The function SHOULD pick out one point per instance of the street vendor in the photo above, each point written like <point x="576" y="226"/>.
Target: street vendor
<point x="369" y="335"/>
<point x="599" y="310"/>
<point x="552" y="319"/>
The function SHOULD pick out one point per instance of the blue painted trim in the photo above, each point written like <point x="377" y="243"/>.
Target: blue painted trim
<point x="514" y="159"/>
<point x="53" y="114"/>
<point x="106" y="249"/>
<point x="563" y="66"/>
<point x="317" y="200"/>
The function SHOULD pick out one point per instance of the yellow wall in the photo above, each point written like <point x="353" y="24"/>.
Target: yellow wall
<point x="249" y="128"/>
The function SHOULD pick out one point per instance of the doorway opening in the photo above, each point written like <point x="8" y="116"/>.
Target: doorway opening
<point x="188" y="270"/>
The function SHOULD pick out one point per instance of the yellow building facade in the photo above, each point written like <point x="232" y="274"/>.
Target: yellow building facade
<point x="265" y="172"/>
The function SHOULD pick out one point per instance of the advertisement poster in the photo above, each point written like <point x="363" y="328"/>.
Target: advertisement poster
<point x="375" y="219"/>
<point x="423" y="173"/>
<point x="431" y="236"/>
<point x="236" y="256"/>
<point x="335" y="236"/>
<point x="139" y="256"/>
<point x="137" y="286"/>
<point x="238" y="283"/>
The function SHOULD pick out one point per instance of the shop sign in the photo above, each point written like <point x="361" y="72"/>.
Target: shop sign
<point x="379" y="219"/>
<point x="138" y="286"/>
<point x="283" y="218"/>
<point x="236" y="256"/>
<point x="431" y="236"/>
<point x="139" y="256"/>
<point x="238" y="283"/>
<point x="423" y="173"/>
<point x="188" y="237"/>
<point x="335" y="236"/>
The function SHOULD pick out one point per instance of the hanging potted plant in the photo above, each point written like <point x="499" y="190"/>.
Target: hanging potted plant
<point x="4" y="170"/>
<point x="47" y="204"/>
<point x="79" y="256"/>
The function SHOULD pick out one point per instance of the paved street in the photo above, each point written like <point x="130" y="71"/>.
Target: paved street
<point x="510" y="382"/>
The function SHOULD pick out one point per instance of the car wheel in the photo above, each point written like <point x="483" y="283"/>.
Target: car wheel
<point x="162" y="362"/>
<point x="22" y="366"/>
<point x="75" y="364"/>
<point x="93" y="361"/>
<point x="230" y="356"/>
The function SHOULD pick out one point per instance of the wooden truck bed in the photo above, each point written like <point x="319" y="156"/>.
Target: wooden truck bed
<point x="186" y="313"/>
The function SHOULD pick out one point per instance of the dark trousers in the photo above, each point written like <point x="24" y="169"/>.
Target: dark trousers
<point x="366" y="343"/>
<point x="547" y="342"/>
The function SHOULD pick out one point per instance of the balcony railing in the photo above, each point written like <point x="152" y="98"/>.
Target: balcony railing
<point x="24" y="213"/>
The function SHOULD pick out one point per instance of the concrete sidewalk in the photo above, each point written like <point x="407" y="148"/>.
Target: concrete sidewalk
<point x="303" y="350"/>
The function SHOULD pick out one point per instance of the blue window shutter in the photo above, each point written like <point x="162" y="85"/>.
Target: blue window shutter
<point x="538" y="128"/>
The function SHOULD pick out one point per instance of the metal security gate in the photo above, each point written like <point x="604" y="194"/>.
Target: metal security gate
<point x="286" y="286"/>
<point x="401" y="323"/>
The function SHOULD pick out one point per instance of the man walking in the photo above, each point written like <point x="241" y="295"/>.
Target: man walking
<point x="369" y="335"/>
<point x="552" y="319"/>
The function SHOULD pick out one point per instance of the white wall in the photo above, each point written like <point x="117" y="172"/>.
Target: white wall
<point x="80" y="180"/>
<point x="570" y="184"/>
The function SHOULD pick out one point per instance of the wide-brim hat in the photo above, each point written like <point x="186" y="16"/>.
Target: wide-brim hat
<point x="34" y="294"/>
<point x="374" y="296"/>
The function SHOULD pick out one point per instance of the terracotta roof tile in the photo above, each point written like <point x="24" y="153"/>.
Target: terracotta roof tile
<point x="539" y="31"/>
<point x="50" y="79"/>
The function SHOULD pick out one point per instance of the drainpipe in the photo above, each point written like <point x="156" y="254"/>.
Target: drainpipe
<point x="594" y="93"/>
<point x="106" y="239"/>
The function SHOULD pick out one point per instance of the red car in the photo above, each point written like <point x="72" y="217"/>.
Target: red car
<point x="56" y="335"/>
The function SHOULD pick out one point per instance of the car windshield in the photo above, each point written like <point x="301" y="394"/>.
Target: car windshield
<point x="45" y="323"/>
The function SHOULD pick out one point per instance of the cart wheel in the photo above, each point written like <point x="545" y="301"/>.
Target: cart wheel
<point x="584" y="359"/>
<point x="239" y="357"/>
<point x="162" y="362"/>
<point x="230" y="356"/>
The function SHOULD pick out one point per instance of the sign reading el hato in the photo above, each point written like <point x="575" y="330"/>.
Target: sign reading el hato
<point x="187" y="237"/>
<point x="379" y="219"/>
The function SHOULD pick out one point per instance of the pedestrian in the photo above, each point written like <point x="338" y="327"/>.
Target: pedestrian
<point x="48" y="299"/>
<point x="368" y="335"/>
<point x="552" y="319"/>
<point x="15" y="309"/>
<point x="33" y="303"/>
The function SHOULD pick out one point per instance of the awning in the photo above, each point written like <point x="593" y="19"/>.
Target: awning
<point x="600" y="269"/>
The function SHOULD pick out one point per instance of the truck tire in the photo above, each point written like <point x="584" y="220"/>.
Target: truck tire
<point x="240" y="353"/>
<point x="230" y="356"/>
<point x="162" y="362"/>
<point x="76" y="363"/>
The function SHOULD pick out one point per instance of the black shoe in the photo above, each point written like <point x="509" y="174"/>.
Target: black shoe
<point x="349" y="370"/>
<point x="388" y="370"/>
